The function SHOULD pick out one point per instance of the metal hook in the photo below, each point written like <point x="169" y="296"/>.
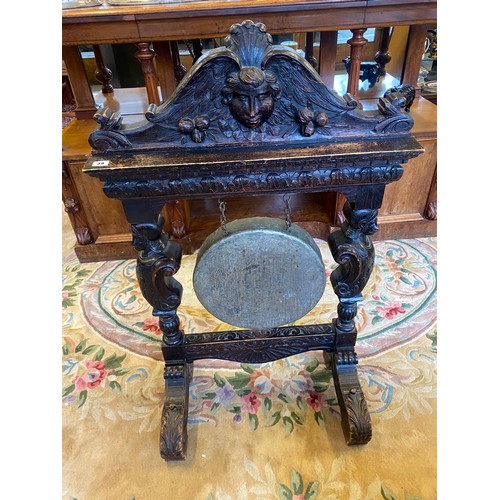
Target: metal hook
<point x="222" y="209"/>
<point x="288" y="219"/>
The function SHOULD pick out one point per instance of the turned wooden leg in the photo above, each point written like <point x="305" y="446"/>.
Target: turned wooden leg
<point x="353" y="250"/>
<point x="383" y="56"/>
<point x="357" y="42"/>
<point x="158" y="260"/>
<point x="179" y="68"/>
<point x="146" y="55"/>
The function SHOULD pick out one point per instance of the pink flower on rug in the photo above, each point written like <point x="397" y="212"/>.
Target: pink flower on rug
<point x="298" y="497"/>
<point x="65" y="294"/>
<point x="390" y="310"/>
<point x="316" y="401"/>
<point x="96" y="371"/>
<point x="250" y="403"/>
<point x="151" y="324"/>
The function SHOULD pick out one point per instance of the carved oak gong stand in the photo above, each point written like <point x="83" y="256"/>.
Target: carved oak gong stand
<point x="253" y="118"/>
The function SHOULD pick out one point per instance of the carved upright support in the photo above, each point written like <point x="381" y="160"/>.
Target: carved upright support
<point x="357" y="42"/>
<point x="103" y="74"/>
<point x="158" y="260"/>
<point x="353" y="250"/>
<point x="146" y="55"/>
<point x="383" y="56"/>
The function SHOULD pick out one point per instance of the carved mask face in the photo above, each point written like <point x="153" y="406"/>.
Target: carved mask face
<point x="252" y="107"/>
<point x="251" y="95"/>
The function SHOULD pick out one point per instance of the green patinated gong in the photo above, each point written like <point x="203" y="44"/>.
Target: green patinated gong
<point x="260" y="275"/>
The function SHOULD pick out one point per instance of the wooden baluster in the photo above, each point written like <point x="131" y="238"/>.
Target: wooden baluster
<point x="146" y="55"/>
<point x="328" y="57"/>
<point x="383" y="56"/>
<point x="357" y="42"/>
<point x="103" y="74"/>
<point x="197" y="49"/>
<point x="414" y="51"/>
<point x="179" y="69"/>
<point x="85" y="104"/>
<point x="165" y="68"/>
<point x="310" y="50"/>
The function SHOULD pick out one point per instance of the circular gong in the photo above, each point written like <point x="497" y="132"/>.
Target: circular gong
<point x="260" y="275"/>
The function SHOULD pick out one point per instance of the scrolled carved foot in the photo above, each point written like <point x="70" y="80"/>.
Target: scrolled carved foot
<point x="173" y="429"/>
<point x="356" y="422"/>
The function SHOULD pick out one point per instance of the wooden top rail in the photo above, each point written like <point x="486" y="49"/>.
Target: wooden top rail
<point x="209" y="19"/>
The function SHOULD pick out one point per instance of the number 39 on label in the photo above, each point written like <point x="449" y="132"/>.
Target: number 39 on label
<point x="101" y="163"/>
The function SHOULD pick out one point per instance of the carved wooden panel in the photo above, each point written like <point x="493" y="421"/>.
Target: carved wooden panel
<point x="249" y="91"/>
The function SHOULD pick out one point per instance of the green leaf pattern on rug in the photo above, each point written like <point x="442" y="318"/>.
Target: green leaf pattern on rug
<point x="296" y="491"/>
<point x="404" y="275"/>
<point x="265" y="395"/>
<point x="73" y="276"/>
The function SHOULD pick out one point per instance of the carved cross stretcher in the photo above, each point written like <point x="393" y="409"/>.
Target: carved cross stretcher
<point x="253" y="118"/>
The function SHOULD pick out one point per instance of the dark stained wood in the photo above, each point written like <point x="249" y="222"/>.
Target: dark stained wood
<point x="274" y="112"/>
<point x="146" y="55"/>
<point x="312" y="212"/>
<point x="85" y="105"/>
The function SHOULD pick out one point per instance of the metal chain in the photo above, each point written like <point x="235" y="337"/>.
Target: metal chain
<point x="288" y="218"/>
<point x="222" y="209"/>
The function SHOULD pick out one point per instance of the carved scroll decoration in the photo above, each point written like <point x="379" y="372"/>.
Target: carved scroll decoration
<point x="158" y="260"/>
<point x="249" y="91"/>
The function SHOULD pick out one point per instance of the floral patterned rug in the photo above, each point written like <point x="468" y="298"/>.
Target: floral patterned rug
<point x="269" y="431"/>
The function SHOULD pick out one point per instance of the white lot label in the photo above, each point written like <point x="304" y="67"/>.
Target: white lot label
<point x="101" y="163"/>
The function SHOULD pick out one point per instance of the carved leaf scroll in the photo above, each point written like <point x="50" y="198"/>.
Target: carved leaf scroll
<point x="249" y="91"/>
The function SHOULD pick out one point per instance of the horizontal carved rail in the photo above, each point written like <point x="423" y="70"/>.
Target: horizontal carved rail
<point x="256" y="346"/>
